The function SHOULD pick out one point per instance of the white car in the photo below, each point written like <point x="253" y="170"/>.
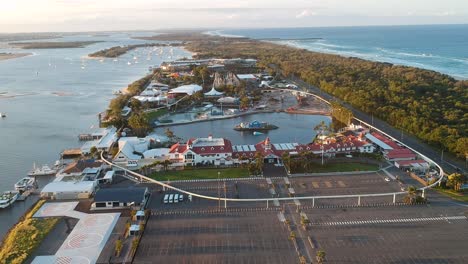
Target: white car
<point x="387" y="179"/>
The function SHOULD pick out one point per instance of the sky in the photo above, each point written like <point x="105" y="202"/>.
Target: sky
<point x="101" y="15"/>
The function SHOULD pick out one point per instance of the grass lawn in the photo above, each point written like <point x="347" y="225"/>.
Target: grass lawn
<point x="339" y="167"/>
<point x="462" y="197"/>
<point x="152" y="116"/>
<point x="194" y="173"/>
<point x="25" y="236"/>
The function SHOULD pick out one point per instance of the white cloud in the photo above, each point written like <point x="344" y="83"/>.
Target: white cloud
<point x="232" y="16"/>
<point x="306" y="13"/>
<point x="446" y="13"/>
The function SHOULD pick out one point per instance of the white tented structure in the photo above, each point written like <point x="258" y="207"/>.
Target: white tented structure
<point x="213" y="93"/>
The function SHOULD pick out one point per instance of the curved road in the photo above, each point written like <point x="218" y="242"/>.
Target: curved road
<point x="449" y="164"/>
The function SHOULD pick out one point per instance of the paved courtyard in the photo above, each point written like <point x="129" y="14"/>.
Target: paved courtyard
<point x="87" y="239"/>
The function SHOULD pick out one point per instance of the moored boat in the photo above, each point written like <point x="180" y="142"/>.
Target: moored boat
<point x="2" y="115"/>
<point x="256" y="133"/>
<point x="43" y="171"/>
<point x="254" y="126"/>
<point x="7" y="198"/>
<point x="25" y="183"/>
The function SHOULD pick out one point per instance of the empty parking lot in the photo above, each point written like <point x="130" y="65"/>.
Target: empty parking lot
<point x="243" y="237"/>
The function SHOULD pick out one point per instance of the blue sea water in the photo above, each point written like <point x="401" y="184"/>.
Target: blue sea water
<point x="442" y="48"/>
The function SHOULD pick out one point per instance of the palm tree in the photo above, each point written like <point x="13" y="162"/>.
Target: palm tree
<point x="320" y="256"/>
<point x="166" y="164"/>
<point x="413" y="194"/>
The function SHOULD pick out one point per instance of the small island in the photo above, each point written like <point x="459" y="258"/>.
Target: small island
<point x="52" y="45"/>
<point x="117" y="51"/>
<point x="8" y="56"/>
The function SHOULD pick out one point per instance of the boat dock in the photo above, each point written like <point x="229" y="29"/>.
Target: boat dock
<point x="26" y="194"/>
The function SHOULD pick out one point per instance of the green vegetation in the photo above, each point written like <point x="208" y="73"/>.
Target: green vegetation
<point x="307" y="166"/>
<point x="320" y="256"/>
<point x="153" y="115"/>
<point x="425" y="103"/>
<point x="200" y="173"/>
<point x="53" y="45"/>
<point x="413" y="196"/>
<point x="25" y="236"/>
<point x="117" y="51"/>
<point x="139" y="124"/>
<point x="455" y="181"/>
<point x="341" y="116"/>
<point x="114" y="112"/>
<point x="459" y="196"/>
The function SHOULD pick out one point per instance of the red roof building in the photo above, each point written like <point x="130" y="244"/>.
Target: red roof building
<point x="215" y="151"/>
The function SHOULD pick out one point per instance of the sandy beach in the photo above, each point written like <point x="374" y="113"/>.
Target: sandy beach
<point x="8" y="56"/>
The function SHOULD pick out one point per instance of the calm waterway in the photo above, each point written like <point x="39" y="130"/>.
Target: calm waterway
<point x="292" y="128"/>
<point x="54" y="95"/>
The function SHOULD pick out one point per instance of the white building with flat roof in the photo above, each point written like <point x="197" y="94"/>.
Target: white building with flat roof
<point x="107" y="138"/>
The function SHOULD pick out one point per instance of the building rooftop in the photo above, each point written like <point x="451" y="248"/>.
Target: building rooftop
<point x="80" y="165"/>
<point x="124" y="195"/>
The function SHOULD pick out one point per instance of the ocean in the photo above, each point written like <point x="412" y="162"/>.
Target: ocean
<point x="442" y="48"/>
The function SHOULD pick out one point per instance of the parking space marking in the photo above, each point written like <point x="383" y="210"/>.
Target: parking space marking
<point x="315" y="184"/>
<point x="328" y="184"/>
<point x="388" y="221"/>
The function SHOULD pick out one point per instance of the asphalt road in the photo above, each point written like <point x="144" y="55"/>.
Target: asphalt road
<point x="448" y="164"/>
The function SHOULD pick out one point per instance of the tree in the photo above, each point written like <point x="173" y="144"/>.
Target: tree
<point x="93" y="151"/>
<point x="455" y="181"/>
<point x="139" y="124"/>
<point x="413" y="196"/>
<point x="135" y="105"/>
<point x="286" y="160"/>
<point x="259" y="161"/>
<point x="166" y="164"/>
<point x="169" y="133"/>
<point x="118" y="247"/>
<point x="135" y="242"/>
<point x="320" y="256"/>
<point x="321" y="128"/>
<point x="244" y="102"/>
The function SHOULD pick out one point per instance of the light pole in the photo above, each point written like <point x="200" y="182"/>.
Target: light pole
<point x="225" y="201"/>
<point x="321" y="147"/>
<point x="219" y="195"/>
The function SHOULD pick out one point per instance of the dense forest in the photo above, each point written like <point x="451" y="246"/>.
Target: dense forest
<point x="428" y="104"/>
<point x="116" y="51"/>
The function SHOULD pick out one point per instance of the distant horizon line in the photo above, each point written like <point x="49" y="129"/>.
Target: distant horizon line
<point x="230" y="28"/>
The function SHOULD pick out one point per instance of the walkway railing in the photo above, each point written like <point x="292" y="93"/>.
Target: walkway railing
<point x="313" y="198"/>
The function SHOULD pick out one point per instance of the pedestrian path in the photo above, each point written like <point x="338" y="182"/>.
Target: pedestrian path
<point x="392" y="221"/>
<point x="389" y="174"/>
<point x="216" y="180"/>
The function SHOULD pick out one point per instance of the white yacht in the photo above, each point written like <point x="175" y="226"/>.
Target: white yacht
<point x="43" y="171"/>
<point x="25" y="183"/>
<point x="8" y="198"/>
<point x="2" y="115"/>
